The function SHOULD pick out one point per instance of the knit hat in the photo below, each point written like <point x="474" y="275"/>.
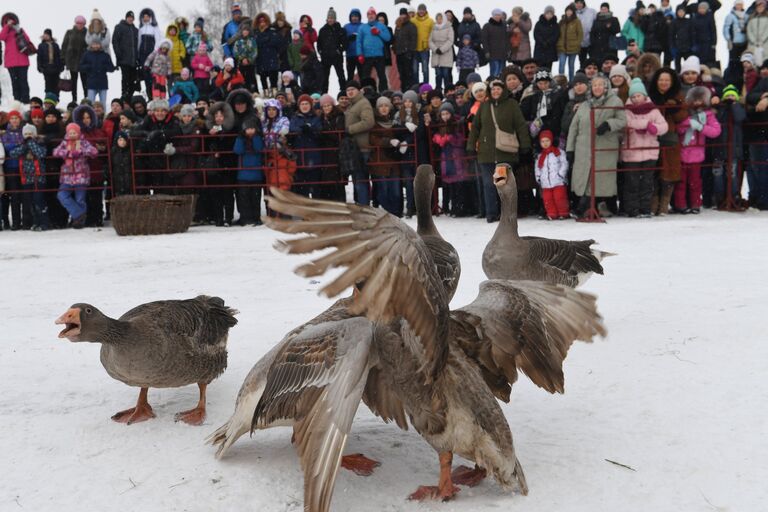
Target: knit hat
<point x="36" y="113"/>
<point x="229" y="61"/>
<point x="411" y="9"/>
<point x="542" y="74"/>
<point x="637" y="87"/>
<point x="422" y="7"/>
<point x="411" y="95"/>
<point x="692" y="63"/>
<point x="549" y="9"/>
<point x="51" y="98"/>
<point x="327" y="99"/>
<point x="80" y="20"/>
<point x="331" y="14"/>
<point x="478" y="86"/>
<point x="13" y="113"/>
<point x="122" y="134"/>
<point x="546" y="134"/>
<point x="518" y="11"/>
<point x="72" y="127"/>
<point x="473" y="78"/>
<point x="236" y="8"/>
<point x="467" y="10"/>
<point x="730" y="92"/>
<point x="352" y="84"/>
<point x="383" y="100"/>
<point x="447" y="106"/>
<point x="424" y="88"/>
<point x="497" y="12"/>
<point x="466" y="37"/>
<point x="748" y="57"/>
<point x="297" y="32"/>
<point x="199" y="22"/>
<point x="158" y="104"/>
<point x="184" y="74"/>
<point x="303" y="98"/>
<point x="188" y="110"/>
<point x="371" y="10"/>
<point x="434" y="94"/>
<point x="29" y="130"/>
<point x="579" y="78"/>
<point x="620" y="70"/>
<point x="129" y="14"/>
<point x="48" y="32"/>
<point x="403" y="11"/>
<point x="288" y="74"/>
<point x="703" y="4"/>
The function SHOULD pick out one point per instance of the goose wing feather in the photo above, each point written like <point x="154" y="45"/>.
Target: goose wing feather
<point x="573" y="257"/>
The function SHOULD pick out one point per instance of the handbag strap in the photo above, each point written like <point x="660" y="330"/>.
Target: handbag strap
<point x="493" y="116"/>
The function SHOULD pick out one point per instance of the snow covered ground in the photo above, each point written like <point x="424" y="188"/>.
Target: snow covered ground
<point x="677" y="391"/>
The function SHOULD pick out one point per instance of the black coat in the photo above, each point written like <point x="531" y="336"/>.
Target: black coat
<point x="49" y="58"/>
<point x="405" y="38"/>
<point x="656" y="33"/>
<point x="73" y="47"/>
<point x="757" y="133"/>
<point x="681" y="36"/>
<point x="604" y="29"/>
<point x="331" y="42"/>
<point x="312" y="75"/>
<point x="545" y="33"/>
<point x="553" y="121"/>
<point x="270" y="44"/>
<point x="125" y="42"/>
<point x="473" y="29"/>
<point x="704" y="36"/>
<point x="495" y="40"/>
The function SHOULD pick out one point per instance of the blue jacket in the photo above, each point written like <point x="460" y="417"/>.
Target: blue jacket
<point x="187" y="89"/>
<point x="250" y="159"/>
<point x="351" y="29"/>
<point x="230" y="29"/>
<point x="95" y="66"/>
<point x="307" y="129"/>
<point x="733" y="31"/>
<point x="10" y="139"/>
<point x="370" y="45"/>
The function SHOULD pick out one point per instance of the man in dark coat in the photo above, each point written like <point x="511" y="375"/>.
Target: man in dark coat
<point x="546" y="33"/>
<point x="681" y="36"/>
<point x="604" y="30"/>
<point x="125" y="41"/>
<point x="704" y="34"/>
<point x="404" y="45"/>
<point x="72" y="48"/>
<point x="331" y="43"/>
<point x="496" y="42"/>
<point x="470" y="26"/>
<point x="656" y="33"/>
<point x="49" y="62"/>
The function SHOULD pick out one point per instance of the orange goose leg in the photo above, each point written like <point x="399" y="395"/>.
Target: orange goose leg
<point x="445" y="489"/>
<point x="197" y="415"/>
<point x="462" y="475"/>
<point x="142" y="411"/>
<point x="359" y="464"/>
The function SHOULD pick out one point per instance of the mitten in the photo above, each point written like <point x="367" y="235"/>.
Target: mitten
<point x="603" y="128"/>
<point x="169" y="149"/>
<point x="375" y="31"/>
<point x="403" y="147"/>
<point x="394" y="143"/>
<point x="439" y="51"/>
<point x="696" y="125"/>
<point x="652" y="128"/>
<point x="361" y="59"/>
<point x="411" y="127"/>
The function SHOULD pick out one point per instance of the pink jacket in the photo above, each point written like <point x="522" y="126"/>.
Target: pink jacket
<point x="75" y="170"/>
<point x="12" y="58"/>
<point x="201" y="66"/>
<point x="694" y="151"/>
<point x="640" y="143"/>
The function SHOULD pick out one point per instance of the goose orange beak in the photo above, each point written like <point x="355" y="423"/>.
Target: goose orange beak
<point x="500" y="175"/>
<point x="71" y="322"/>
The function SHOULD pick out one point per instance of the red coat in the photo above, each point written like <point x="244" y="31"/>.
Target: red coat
<point x="13" y="58"/>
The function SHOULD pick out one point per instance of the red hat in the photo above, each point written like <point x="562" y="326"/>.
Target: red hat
<point x="72" y="127"/>
<point x="36" y="113"/>
<point x="547" y="134"/>
<point x="371" y="10"/>
<point x="14" y="113"/>
<point x="305" y="97"/>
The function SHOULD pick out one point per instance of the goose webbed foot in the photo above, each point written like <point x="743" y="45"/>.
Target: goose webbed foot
<point x="194" y="416"/>
<point x="142" y="411"/>
<point x="445" y="490"/>
<point x="359" y="464"/>
<point x="463" y="475"/>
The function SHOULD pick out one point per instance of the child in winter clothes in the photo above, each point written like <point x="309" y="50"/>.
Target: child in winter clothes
<point x="49" y="62"/>
<point x="95" y="64"/>
<point x="249" y="146"/>
<point x="178" y="52"/>
<point x="122" y="182"/>
<point x="551" y="168"/>
<point x="281" y="165"/>
<point x="294" y="52"/>
<point x="289" y="84"/>
<point x="75" y="173"/>
<point x="244" y="53"/>
<point x="227" y="80"/>
<point x="731" y="115"/>
<point x="185" y="87"/>
<point x="645" y="124"/>
<point x="159" y="64"/>
<point x="198" y="37"/>
<point x="467" y="59"/>
<point x="31" y="156"/>
<point x="9" y="139"/>
<point x="700" y="125"/>
<point x="457" y="186"/>
<point x="201" y="67"/>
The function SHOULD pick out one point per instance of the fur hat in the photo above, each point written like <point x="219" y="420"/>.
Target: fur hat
<point x="692" y="63"/>
<point x="698" y="93"/>
<point x="29" y="130"/>
<point x="188" y="110"/>
<point x="637" y="87"/>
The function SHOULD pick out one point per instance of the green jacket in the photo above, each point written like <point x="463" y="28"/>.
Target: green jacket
<point x="294" y="57"/>
<point x="483" y="133"/>
<point x="245" y="48"/>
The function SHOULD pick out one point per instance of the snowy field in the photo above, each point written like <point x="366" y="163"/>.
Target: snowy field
<point x="677" y="391"/>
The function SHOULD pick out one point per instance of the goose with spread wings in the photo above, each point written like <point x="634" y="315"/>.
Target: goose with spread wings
<point x="438" y="368"/>
<point x="510" y="256"/>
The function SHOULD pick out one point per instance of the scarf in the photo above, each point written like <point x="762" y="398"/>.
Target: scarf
<point x="544" y="104"/>
<point x="641" y="109"/>
<point x="700" y="118"/>
<point x="546" y="152"/>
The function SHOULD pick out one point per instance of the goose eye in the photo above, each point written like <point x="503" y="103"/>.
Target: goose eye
<point x="88" y="311"/>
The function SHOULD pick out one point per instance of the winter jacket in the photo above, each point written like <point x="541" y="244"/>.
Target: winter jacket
<point x="735" y="27"/>
<point x="228" y="32"/>
<point x="546" y="33"/>
<point x="9" y="140"/>
<point x="149" y="35"/>
<point x="13" y="58"/>
<point x="604" y="29"/>
<point x="730" y="116"/>
<point x="76" y="168"/>
<point x="630" y="30"/>
<point x="681" y="36"/>
<point x="640" y="145"/>
<point x="187" y="89"/>
<point x="704" y="36"/>
<point x="472" y="28"/>
<point x="229" y="84"/>
<point x="331" y="42"/>
<point x="510" y="119"/>
<point x="758" y="133"/>
<point x="384" y="159"/>
<point x="369" y="42"/>
<point x="570" y="37"/>
<point x="552" y="121"/>
<point x="495" y="40"/>
<point x="125" y="42"/>
<point x="201" y="66"/>
<point x="49" y="58"/>
<point x="757" y="36"/>
<point x="120" y="170"/>
<point x="358" y="121"/>
<point x="193" y="42"/>
<point x="580" y="142"/>
<point x="554" y="172"/>
<point x="467" y="58"/>
<point x="104" y="38"/>
<point x="95" y="66"/>
<point x="695" y="151"/>
<point x="351" y="30"/>
<point x="312" y="75"/>
<point x="73" y="47"/>
<point x="405" y="39"/>
<point x="250" y="166"/>
<point x="308" y="34"/>
<point x="245" y="49"/>
<point x="424" y="25"/>
<point x="656" y="33"/>
<point x="159" y="63"/>
<point x="178" y="52"/>
<point x="305" y="129"/>
<point x="523" y="50"/>
<point x="441" y="44"/>
<point x="31" y="156"/>
<point x="269" y="45"/>
<point x="453" y="155"/>
<point x="294" y="56"/>
<point x="587" y="17"/>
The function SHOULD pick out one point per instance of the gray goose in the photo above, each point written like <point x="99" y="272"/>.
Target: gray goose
<point x="510" y="256"/>
<point x="440" y="369"/>
<point x="163" y="344"/>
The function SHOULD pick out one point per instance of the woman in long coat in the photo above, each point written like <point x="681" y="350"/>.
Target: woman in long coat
<point x="609" y="126"/>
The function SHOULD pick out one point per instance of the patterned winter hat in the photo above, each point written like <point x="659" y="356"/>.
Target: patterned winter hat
<point x="731" y="93"/>
<point x="542" y="74"/>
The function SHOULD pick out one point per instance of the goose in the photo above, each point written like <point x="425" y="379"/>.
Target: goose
<point x="510" y="256"/>
<point x="440" y="369"/>
<point x="163" y="344"/>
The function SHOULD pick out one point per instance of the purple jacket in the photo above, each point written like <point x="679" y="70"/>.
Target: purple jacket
<point x="75" y="170"/>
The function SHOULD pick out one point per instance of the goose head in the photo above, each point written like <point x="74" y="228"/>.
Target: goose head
<point x="504" y="181"/>
<point x="82" y="322"/>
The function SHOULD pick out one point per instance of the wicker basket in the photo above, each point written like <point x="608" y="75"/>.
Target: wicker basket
<point x="152" y="215"/>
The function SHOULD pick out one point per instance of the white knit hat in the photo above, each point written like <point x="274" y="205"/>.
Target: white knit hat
<point x="692" y="63"/>
<point x="478" y="86"/>
<point x="229" y="61"/>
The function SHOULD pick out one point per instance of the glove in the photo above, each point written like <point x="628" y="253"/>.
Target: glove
<point x="439" y="51"/>
<point x="570" y="156"/>
<point x="361" y="59"/>
<point x="411" y="127"/>
<point x="603" y="128"/>
<point x="403" y="148"/>
<point x="375" y="31"/>
<point x="169" y="149"/>
<point x="394" y="143"/>
<point x="652" y="128"/>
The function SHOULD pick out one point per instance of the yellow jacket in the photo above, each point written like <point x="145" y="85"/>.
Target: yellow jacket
<point x="178" y="52"/>
<point x="424" y="26"/>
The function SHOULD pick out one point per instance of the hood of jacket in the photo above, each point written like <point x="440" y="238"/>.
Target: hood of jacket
<point x="151" y="13"/>
<point x="10" y="16"/>
<point x="77" y="117"/>
<point x="309" y="20"/>
<point x="274" y="104"/>
<point x="229" y="115"/>
<point x="355" y="12"/>
<point x="168" y="31"/>
<point x="241" y="94"/>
